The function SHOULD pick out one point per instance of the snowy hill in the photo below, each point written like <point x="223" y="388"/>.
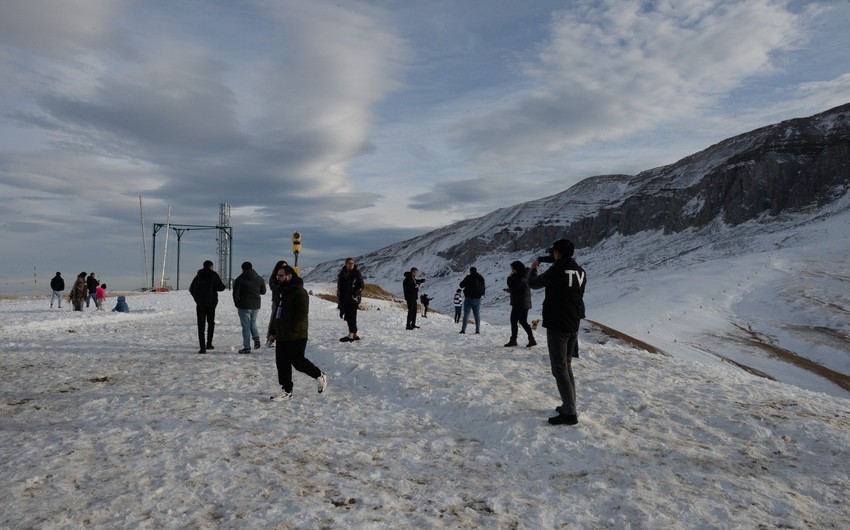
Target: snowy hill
<point x="762" y="219"/>
<point x="112" y="420"/>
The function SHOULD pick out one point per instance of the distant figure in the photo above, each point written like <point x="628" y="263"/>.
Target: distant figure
<point x="204" y="290"/>
<point x="563" y="309"/>
<point x="290" y="328"/>
<point x="425" y="299"/>
<point x="57" y="285"/>
<point x="458" y="303"/>
<point x="100" y="296"/>
<point x="349" y="290"/>
<point x="520" y="303"/>
<point x="274" y="287"/>
<point x="248" y="289"/>
<point x="411" y="295"/>
<point x="91" y="285"/>
<point x="473" y="290"/>
<point x="79" y="292"/>
<point x="121" y="305"/>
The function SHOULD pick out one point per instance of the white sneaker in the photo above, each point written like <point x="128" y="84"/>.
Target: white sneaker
<point x="322" y="382"/>
<point x="283" y="396"/>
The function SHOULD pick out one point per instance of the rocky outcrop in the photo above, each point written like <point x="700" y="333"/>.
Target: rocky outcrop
<point x="791" y="166"/>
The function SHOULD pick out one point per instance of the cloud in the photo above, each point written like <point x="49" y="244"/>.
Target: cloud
<point x="613" y="68"/>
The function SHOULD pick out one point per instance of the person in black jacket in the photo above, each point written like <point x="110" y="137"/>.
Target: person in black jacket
<point x="274" y="287"/>
<point x="473" y="291"/>
<point x="57" y="285"/>
<point x="411" y="295"/>
<point x="563" y="309"/>
<point x="520" y="303"/>
<point x="204" y="289"/>
<point x="91" y="285"/>
<point x="349" y="289"/>
<point x="248" y="289"/>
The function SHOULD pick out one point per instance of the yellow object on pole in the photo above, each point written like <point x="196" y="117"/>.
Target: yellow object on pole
<point x="296" y="249"/>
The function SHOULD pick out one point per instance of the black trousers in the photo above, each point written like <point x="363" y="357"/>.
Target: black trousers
<point x="290" y="354"/>
<point x="412" y="307"/>
<point x="350" y="316"/>
<point x="206" y="318"/>
<point x="519" y="316"/>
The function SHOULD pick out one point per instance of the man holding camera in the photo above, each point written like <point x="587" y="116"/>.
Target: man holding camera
<point x="563" y="309"/>
<point x="410" y="285"/>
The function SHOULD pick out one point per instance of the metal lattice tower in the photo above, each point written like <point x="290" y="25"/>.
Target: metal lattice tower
<point x="222" y="240"/>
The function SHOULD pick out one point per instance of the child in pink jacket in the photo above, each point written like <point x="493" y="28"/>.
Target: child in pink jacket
<point x="100" y="296"/>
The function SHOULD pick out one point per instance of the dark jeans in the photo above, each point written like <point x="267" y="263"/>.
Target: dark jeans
<point x="457" y="313"/>
<point x="412" y="307"/>
<point x="519" y="315"/>
<point x="288" y="355"/>
<point x="206" y="316"/>
<point x="561" y="345"/>
<point x="349" y="313"/>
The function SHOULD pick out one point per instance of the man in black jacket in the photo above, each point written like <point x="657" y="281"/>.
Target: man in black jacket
<point x="204" y="289"/>
<point x="473" y="291"/>
<point x="91" y="284"/>
<point x="563" y="309"/>
<point x="248" y="289"/>
<point x="411" y="295"/>
<point x="57" y="285"/>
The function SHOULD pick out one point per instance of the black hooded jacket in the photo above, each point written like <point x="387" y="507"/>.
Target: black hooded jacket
<point x="563" y="307"/>
<point x="206" y="286"/>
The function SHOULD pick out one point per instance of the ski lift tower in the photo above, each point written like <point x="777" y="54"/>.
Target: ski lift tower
<point x="223" y="243"/>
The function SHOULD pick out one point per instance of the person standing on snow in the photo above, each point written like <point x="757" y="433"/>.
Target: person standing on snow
<point x="473" y="290"/>
<point x="248" y="289"/>
<point x="520" y="303"/>
<point x="204" y="290"/>
<point x="349" y="289"/>
<point x="563" y="309"/>
<point x="410" y="285"/>
<point x="274" y="287"/>
<point x="425" y="299"/>
<point x="91" y="285"/>
<point x="457" y="300"/>
<point x="57" y="285"/>
<point x="79" y="292"/>
<point x="290" y="334"/>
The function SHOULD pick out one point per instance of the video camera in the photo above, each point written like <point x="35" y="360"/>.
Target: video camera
<point x="549" y="258"/>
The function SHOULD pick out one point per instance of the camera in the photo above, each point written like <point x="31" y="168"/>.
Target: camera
<point x="548" y="258"/>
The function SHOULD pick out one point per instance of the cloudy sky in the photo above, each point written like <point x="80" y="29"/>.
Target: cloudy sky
<point x="362" y="123"/>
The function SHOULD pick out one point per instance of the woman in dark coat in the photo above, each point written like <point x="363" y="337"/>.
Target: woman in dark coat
<point x="290" y="334"/>
<point x="520" y="303"/>
<point x="349" y="288"/>
<point x="274" y="287"/>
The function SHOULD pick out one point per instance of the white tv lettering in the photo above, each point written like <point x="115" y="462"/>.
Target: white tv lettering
<point x="579" y="276"/>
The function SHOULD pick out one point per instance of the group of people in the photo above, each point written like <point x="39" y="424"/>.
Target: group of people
<point x="563" y="308"/>
<point x="287" y="327"/>
<point x="564" y="283"/>
<point x="86" y="289"/>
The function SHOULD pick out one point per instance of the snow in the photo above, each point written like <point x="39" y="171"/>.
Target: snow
<point x="113" y="421"/>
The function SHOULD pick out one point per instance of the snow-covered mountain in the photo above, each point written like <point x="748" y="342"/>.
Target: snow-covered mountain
<point x="764" y="216"/>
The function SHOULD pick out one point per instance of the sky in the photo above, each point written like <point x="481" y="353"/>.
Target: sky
<point x="112" y="420"/>
<point x="362" y="123"/>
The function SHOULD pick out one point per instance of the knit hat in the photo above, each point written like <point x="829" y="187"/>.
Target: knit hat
<point x="565" y="247"/>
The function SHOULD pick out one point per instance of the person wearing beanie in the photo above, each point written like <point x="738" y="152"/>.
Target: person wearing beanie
<point x="248" y="289"/>
<point x="410" y="286"/>
<point x="520" y="303"/>
<point x="563" y="308"/>
<point x="473" y="290"/>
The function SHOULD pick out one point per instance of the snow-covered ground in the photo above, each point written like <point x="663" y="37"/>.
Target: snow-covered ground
<point x="112" y="420"/>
